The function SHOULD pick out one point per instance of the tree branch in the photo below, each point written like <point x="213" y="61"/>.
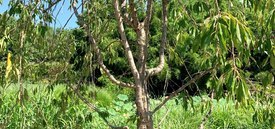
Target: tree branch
<point x="98" y="51"/>
<point x="148" y="14"/>
<point x="217" y="6"/>
<point x="133" y="13"/>
<point x="125" y="15"/>
<point x="124" y="41"/>
<point x="175" y="93"/>
<point x="158" y="69"/>
<point x="50" y="6"/>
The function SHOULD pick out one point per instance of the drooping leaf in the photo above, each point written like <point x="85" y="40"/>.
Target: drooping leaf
<point x="238" y="33"/>
<point x="221" y="38"/>
<point x="9" y="66"/>
<point x="272" y="59"/>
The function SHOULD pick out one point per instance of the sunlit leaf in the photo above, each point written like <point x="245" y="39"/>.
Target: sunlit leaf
<point x="122" y="97"/>
<point x="9" y="65"/>
<point x="238" y="33"/>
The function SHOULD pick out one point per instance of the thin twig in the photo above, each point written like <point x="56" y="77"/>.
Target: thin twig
<point x="126" y="17"/>
<point x="217" y="6"/>
<point x="191" y="77"/>
<point x="166" y="113"/>
<point x="51" y="5"/>
<point x="209" y="112"/>
<point x="175" y="93"/>
<point x="93" y="107"/>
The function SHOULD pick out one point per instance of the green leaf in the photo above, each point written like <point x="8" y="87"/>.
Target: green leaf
<point x="240" y="93"/>
<point x="119" y="103"/>
<point x="122" y="97"/>
<point x="272" y="59"/>
<point x="245" y="90"/>
<point x="272" y="20"/>
<point x="238" y="32"/>
<point x="221" y="38"/>
<point x="112" y="112"/>
<point x="232" y="25"/>
<point x="128" y="107"/>
<point x="268" y="79"/>
<point x="248" y="39"/>
<point x="222" y="21"/>
<point x="230" y="83"/>
<point x="42" y="30"/>
<point x="210" y="83"/>
<point x="184" y="103"/>
<point x="219" y="87"/>
<point x="206" y="37"/>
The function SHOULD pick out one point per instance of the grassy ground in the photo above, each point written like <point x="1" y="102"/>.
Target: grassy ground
<point x="59" y="108"/>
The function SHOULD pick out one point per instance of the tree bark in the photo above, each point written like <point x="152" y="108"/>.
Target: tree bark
<point x="145" y="120"/>
<point x="20" y="70"/>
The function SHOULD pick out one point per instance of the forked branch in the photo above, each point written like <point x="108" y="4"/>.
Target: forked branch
<point x="159" y="68"/>
<point x="125" y="15"/>
<point x="124" y="41"/>
<point x="98" y="51"/>
<point x="51" y="5"/>
<point x="133" y="13"/>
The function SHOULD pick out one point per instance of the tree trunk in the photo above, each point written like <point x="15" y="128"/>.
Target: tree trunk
<point x="145" y="120"/>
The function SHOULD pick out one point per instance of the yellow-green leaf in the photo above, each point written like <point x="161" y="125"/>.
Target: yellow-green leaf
<point x="9" y="65"/>
<point x="238" y="32"/>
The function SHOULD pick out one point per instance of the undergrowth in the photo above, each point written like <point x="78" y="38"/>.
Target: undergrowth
<point x="61" y="108"/>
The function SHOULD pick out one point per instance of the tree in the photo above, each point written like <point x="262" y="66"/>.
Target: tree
<point x="215" y="35"/>
<point x="139" y="70"/>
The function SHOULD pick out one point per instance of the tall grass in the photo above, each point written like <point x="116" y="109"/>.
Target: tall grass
<point x="60" y="108"/>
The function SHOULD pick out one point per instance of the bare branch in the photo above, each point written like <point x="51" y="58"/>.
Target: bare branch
<point x="98" y="52"/>
<point x="163" y="117"/>
<point x="148" y="14"/>
<point x="82" y="5"/>
<point x="125" y="15"/>
<point x="133" y="13"/>
<point x="175" y="93"/>
<point x="86" y="101"/>
<point x="51" y="5"/>
<point x="158" y="69"/>
<point x="124" y="41"/>
<point x="217" y="6"/>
